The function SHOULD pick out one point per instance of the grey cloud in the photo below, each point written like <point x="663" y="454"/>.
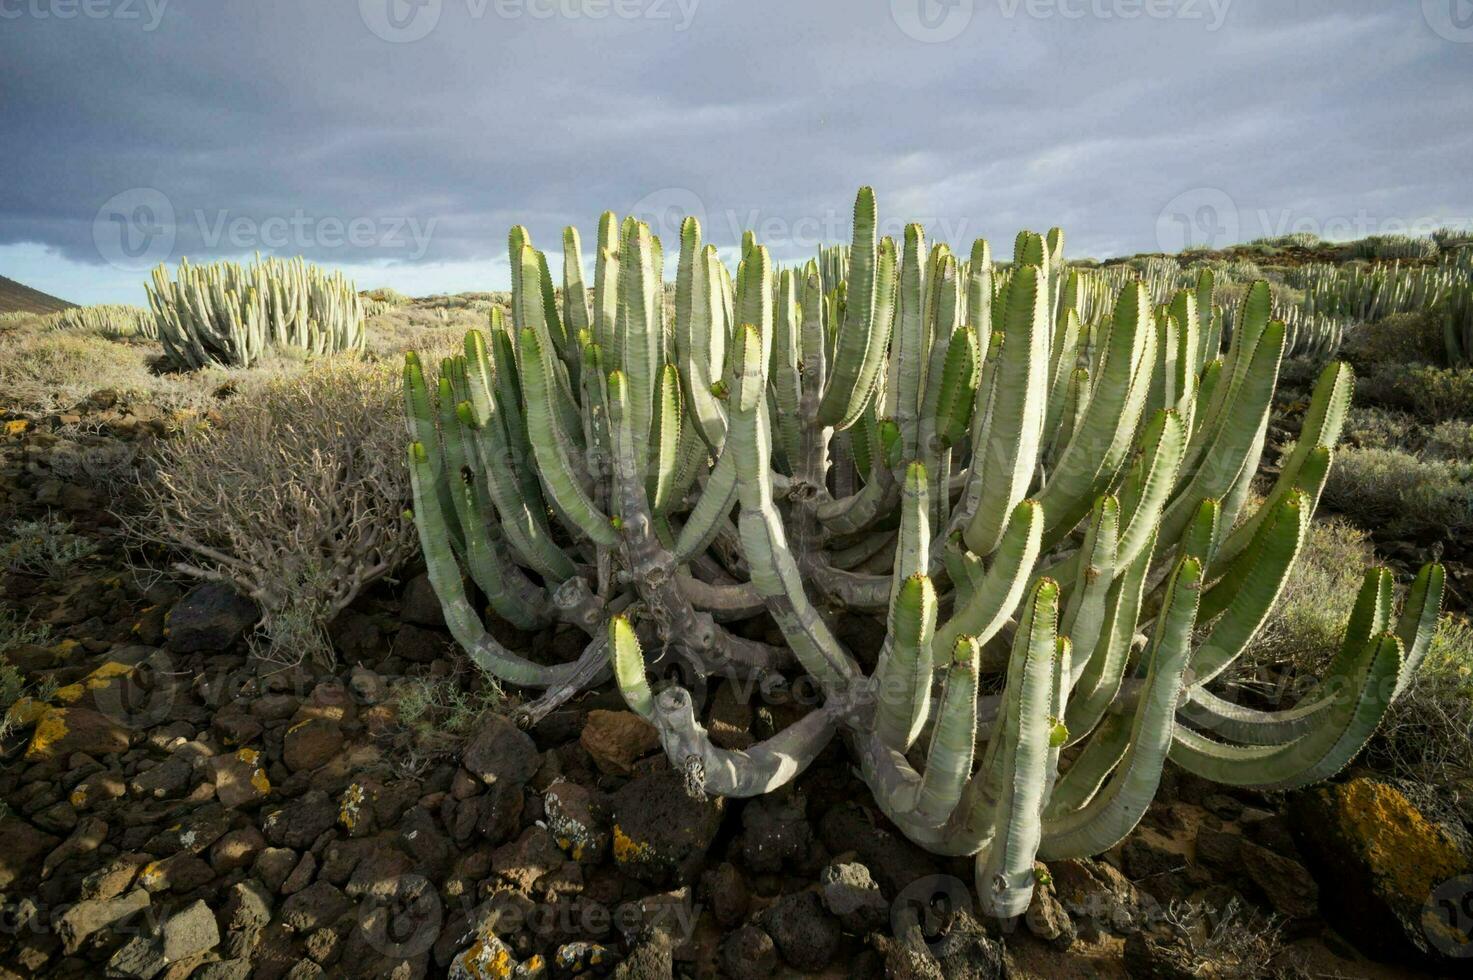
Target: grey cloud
<point x="274" y="112"/>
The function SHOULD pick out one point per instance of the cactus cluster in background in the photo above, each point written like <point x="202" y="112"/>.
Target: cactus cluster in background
<point x="228" y="314"/>
<point x="1021" y="476"/>
<point x="115" y="321"/>
<point x="1306" y="334"/>
<point x="1396" y="247"/>
<point x="1366" y="295"/>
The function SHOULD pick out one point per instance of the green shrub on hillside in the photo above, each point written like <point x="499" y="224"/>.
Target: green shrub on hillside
<point x="1400" y="495"/>
<point x="1402" y="338"/>
<point x="1433" y="394"/>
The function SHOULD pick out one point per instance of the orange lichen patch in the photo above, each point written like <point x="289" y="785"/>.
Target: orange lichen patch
<point x="1410" y="854"/>
<point x="259" y="780"/>
<point x="78" y="799"/>
<point x="50" y="730"/>
<point x="248" y="756"/>
<point x="627" y="849"/>
<point x="17" y="426"/>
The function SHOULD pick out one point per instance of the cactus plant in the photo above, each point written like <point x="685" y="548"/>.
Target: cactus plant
<point x="109" y="320"/>
<point x="227" y="314"/>
<point x="1016" y="486"/>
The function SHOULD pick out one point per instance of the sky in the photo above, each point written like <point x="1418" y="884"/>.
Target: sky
<point x="401" y="139"/>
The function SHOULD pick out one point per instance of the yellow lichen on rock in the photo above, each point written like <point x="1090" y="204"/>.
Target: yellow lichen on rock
<point x="100" y="678"/>
<point x="351" y="806"/>
<point x="488" y="958"/>
<point x="26" y="711"/>
<point x="1409" y="853"/>
<point x="50" y="730"/>
<point x="628" y="850"/>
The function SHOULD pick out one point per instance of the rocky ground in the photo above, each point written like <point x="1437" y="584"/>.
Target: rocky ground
<point x="177" y="807"/>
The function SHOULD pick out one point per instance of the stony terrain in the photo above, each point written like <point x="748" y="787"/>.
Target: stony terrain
<point x="177" y="806"/>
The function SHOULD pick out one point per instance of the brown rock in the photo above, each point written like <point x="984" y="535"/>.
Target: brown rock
<point x="23" y="851"/>
<point x="528" y="858"/>
<point x="240" y="778"/>
<point x="617" y="739"/>
<point x="311" y="743"/>
<point x="237" y="849"/>
<point x="62" y="731"/>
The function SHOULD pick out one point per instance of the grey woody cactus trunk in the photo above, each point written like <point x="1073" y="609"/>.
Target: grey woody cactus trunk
<point x="1018" y="477"/>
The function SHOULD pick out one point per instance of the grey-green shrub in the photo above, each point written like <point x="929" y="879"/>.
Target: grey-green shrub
<point x="1400" y="495"/>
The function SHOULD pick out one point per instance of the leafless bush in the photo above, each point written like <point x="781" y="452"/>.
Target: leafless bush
<point x="296" y="498"/>
<point x="1230" y="944"/>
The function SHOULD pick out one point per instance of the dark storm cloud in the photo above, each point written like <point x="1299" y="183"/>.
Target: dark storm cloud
<point x="1136" y="124"/>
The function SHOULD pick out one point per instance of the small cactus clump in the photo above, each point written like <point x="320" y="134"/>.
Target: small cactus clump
<point x="227" y="314"/>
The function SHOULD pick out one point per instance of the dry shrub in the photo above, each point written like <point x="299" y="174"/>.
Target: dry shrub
<point x="45" y="370"/>
<point x="297" y="498"/>
<point x="406" y="328"/>
<point x="1231" y="943"/>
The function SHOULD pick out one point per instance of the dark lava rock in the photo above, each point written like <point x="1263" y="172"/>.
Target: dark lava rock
<point x="1395" y="868"/>
<point x="298" y="824"/>
<point x="661" y="834"/>
<point x="501" y="753"/>
<point x="775" y="833"/>
<point x="749" y="954"/>
<point x="210" y="618"/>
<point x="805" y="934"/>
<point x="851" y="894"/>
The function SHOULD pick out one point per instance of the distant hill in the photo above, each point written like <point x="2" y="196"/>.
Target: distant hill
<point x="16" y="298"/>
